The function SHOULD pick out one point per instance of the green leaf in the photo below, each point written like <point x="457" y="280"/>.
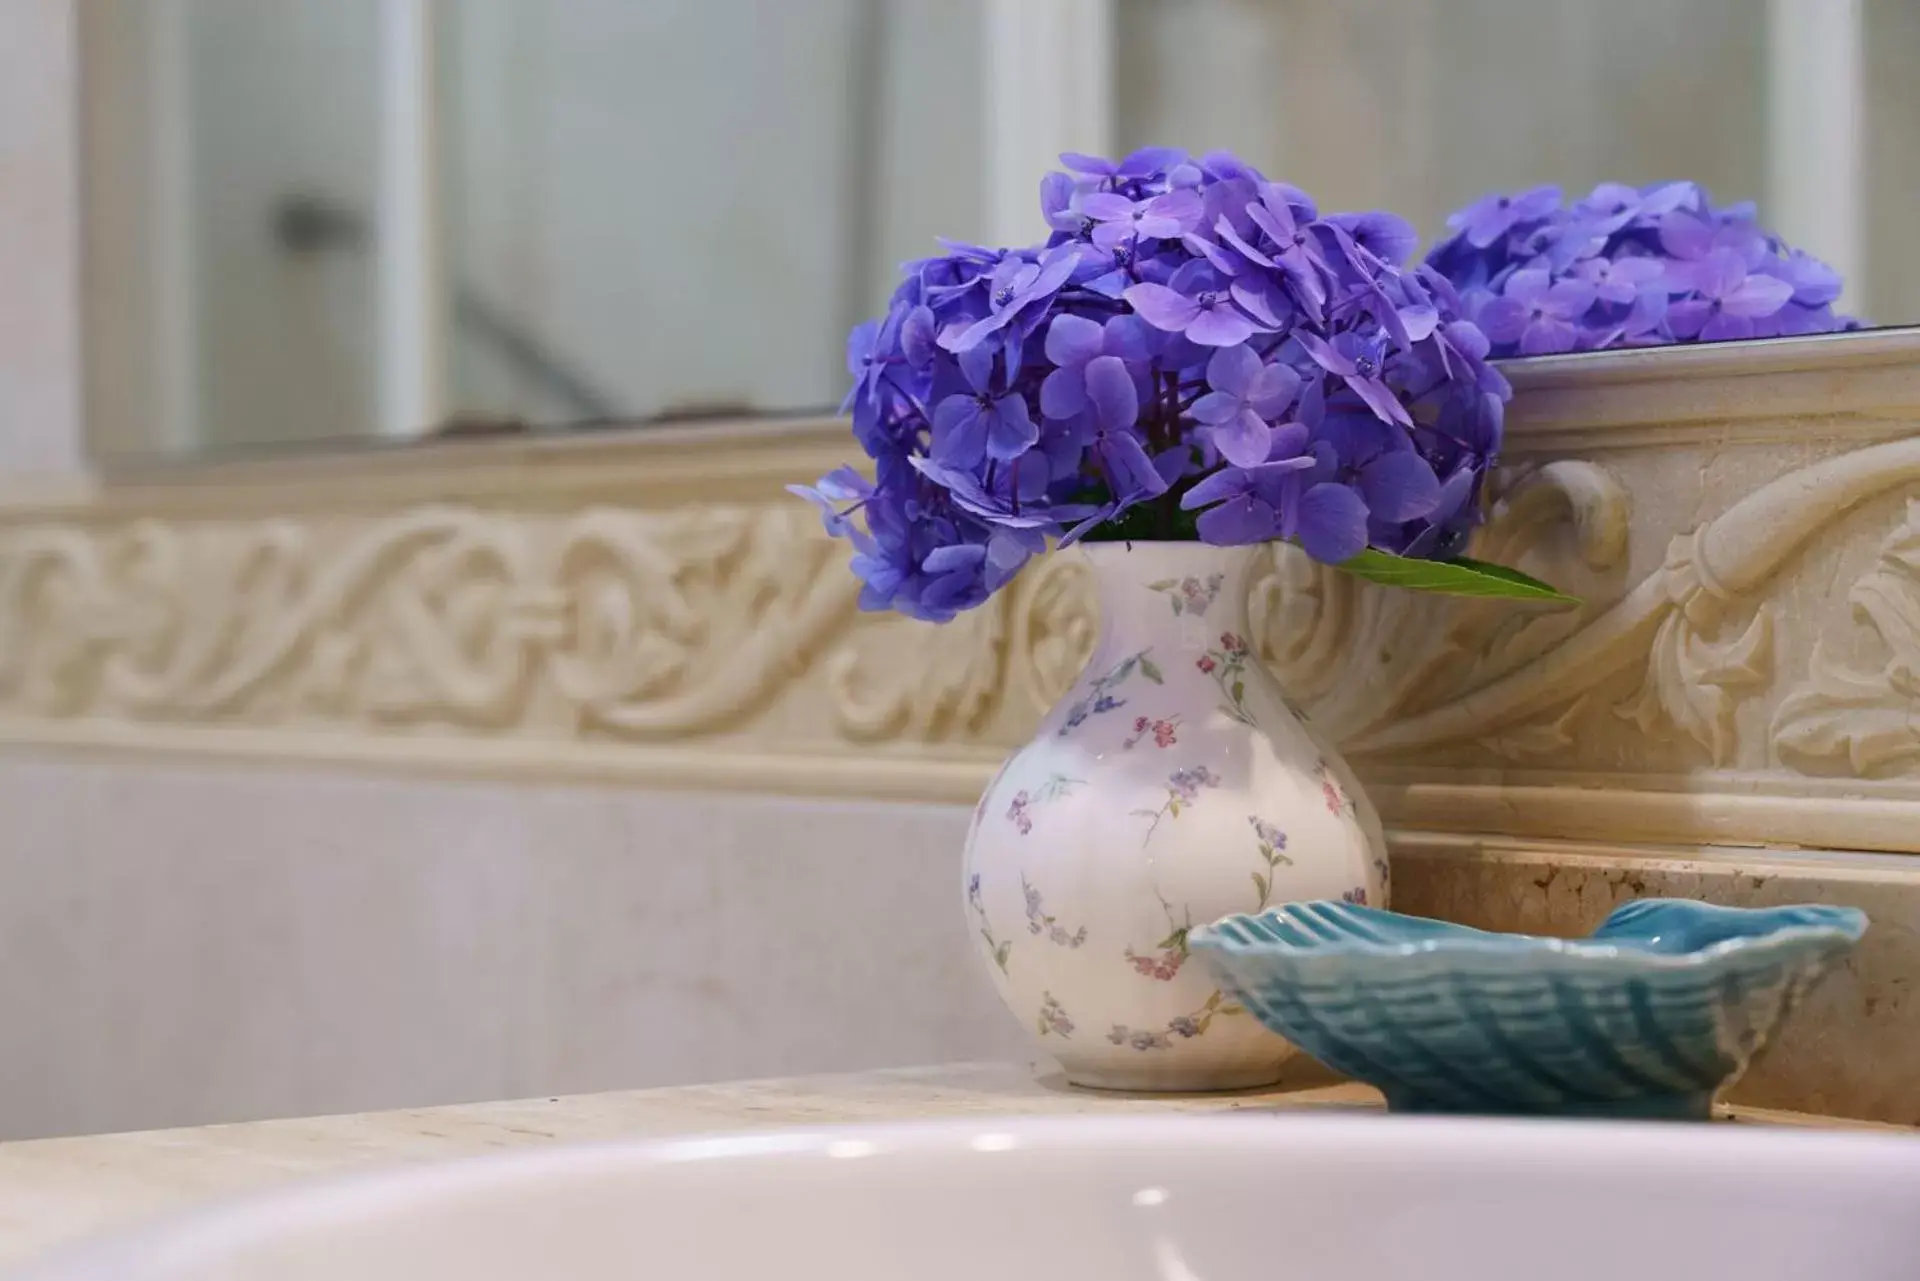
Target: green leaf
<point x="1000" y="956"/>
<point x="1163" y="585"/>
<point x="1239" y="691"/>
<point x="1151" y="670"/>
<point x="1260" y="887"/>
<point x="1461" y="577"/>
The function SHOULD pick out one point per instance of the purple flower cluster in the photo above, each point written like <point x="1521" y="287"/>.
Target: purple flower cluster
<point x="1626" y="267"/>
<point x="1194" y="351"/>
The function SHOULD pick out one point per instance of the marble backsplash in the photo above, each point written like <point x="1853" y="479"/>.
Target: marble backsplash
<point x="1852" y="1047"/>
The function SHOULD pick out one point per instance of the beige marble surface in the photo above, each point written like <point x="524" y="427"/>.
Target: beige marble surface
<point x="56" y="1191"/>
<point x="1851" y="1047"/>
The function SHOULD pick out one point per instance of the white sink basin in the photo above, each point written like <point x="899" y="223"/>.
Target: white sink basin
<point x="1239" y="1198"/>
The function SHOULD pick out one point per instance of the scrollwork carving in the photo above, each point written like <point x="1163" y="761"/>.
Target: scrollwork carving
<point x="638" y="624"/>
<point x="715" y="621"/>
<point x="1670" y="625"/>
<point x="1843" y="720"/>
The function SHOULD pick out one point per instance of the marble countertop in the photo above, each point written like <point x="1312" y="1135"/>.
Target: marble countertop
<point x="54" y="1191"/>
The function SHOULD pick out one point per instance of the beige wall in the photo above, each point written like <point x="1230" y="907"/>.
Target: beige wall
<point x="185" y="943"/>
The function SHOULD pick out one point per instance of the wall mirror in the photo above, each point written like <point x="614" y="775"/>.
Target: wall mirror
<point x="314" y="222"/>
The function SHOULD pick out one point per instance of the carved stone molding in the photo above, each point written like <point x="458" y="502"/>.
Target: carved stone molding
<point x="651" y="607"/>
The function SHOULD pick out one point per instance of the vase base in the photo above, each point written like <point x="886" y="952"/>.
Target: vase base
<point x="1162" y="1081"/>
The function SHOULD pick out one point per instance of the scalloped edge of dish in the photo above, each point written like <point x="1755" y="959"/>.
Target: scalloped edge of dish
<point x="1847" y="925"/>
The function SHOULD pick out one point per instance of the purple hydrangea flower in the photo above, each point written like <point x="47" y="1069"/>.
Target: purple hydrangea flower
<point x="1537" y="313"/>
<point x="1195" y="302"/>
<point x="1628" y="266"/>
<point x="981" y="422"/>
<point x="1494" y="215"/>
<point x="1193" y="351"/>
<point x="1118" y="220"/>
<point x="1246" y="395"/>
<point x="1073" y="341"/>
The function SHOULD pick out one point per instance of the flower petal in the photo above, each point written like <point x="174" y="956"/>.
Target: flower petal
<point x="959" y="432"/>
<point x="1110" y="387"/>
<point x="1218" y="487"/>
<point x="1161" y="307"/>
<point x="1400" y="486"/>
<point x="1011" y="431"/>
<point x="1064" y="393"/>
<point x="1233" y="369"/>
<point x="1331" y="523"/>
<point x="1215" y="407"/>
<point x="1504" y="319"/>
<point x="1381" y="400"/>
<point x="1106" y="206"/>
<point x="1073" y="340"/>
<point x="1220" y="326"/>
<point x="1324" y="354"/>
<point x="1239" y="521"/>
<point x="1547" y="336"/>
<point x="1129" y="471"/>
<point x="1757" y="295"/>
<point x="1529" y="286"/>
<point x="1243" y="439"/>
<point x="1273" y="390"/>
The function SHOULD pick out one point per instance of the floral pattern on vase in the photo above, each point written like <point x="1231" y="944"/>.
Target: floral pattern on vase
<point x="1183" y="789"/>
<point x="1192" y="595"/>
<point x="1203" y="798"/>
<point x="1053" y="1017"/>
<point x="1227" y="665"/>
<point x="999" y="949"/>
<point x="1170" y="953"/>
<point x="1183" y="1026"/>
<point x="1020" y="808"/>
<point x="1039" y="922"/>
<point x="1100" y="697"/>
<point x="1164" y="731"/>
<point x="1273" y="844"/>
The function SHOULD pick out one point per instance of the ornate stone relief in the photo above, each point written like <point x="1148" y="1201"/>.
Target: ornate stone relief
<point x="634" y="626"/>
<point x="1862" y="722"/>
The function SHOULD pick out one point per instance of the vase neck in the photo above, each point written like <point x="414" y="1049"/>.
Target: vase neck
<point x="1180" y="594"/>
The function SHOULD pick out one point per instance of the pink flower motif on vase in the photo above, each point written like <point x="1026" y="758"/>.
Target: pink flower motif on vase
<point x="1190" y="595"/>
<point x="1017" y="811"/>
<point x="1164" y="732"/>
<point x="1227" y="664"/>
<point x="1020" y="808"/>
<point x="1330" y="791"/>
<point x="1356" y="896"/>
<point x="1163" y="963"/>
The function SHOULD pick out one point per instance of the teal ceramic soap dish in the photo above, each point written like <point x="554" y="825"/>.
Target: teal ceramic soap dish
<point x="1664" y="1004"/>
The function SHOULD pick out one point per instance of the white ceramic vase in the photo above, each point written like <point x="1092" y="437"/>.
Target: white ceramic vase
<point x="1173" y="785"/>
